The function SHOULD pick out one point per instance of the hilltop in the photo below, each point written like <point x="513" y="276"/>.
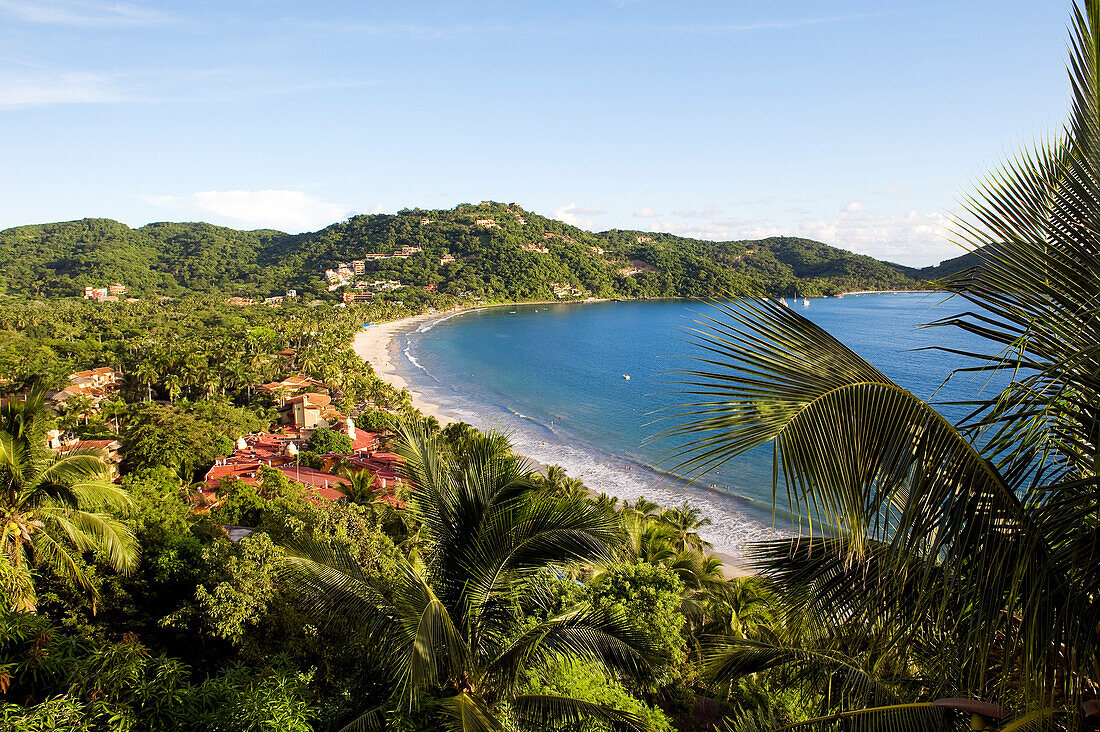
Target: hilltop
<point x="500" y="252"/>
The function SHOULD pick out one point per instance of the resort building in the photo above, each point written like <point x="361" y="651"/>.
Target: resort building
<point x="487" y="223"/>
<point x="352" y="297"/>
<point x="116" y="289"/>
<point x="290" y="385"/>
<point x="530" y="247"/>
<point x="446" y="259"/>
<point x="95" y="384"/>
<point x="240" y="301"/>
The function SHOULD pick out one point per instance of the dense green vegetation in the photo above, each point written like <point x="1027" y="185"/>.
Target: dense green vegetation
<point x="500" y="598"/>
<point x="172" y="259"/>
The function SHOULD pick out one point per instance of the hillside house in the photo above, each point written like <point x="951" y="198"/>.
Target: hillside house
<point x="487" y="223"/>
<point x="289" y="386"/>
<point x="240" y="301"/>
<point x="353" y="297"/>
<point x="530" y="247"/>
<point x="116" y="289"/>
<point x="406" y="252"/>
<point x="446" y="259"/>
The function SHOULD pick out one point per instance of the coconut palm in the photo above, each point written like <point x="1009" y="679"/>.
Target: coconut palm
<point x="687" y="520"/>
<point x="358" y="486"/>
<point x="983" y="533"/>
<point x="453" y="632"/>
<point x="51" y="506"/>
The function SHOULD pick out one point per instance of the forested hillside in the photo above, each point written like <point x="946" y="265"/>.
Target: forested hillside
<point x="511" y="254"/>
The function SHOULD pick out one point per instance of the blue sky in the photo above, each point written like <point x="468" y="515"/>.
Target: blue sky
<point x="854" y="122"/>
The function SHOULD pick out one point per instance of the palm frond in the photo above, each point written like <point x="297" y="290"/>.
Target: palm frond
<point x="543" y="712"/>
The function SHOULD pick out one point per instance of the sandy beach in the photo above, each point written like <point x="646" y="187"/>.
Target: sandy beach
<point x="377" y="345"/>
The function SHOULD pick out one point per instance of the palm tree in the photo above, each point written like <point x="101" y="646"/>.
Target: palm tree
<point x="969" y="550"/>
<point x="51" y="505"/>
<point x="173" y="385"/>
<point x="453" y="634"/>
<point x="146" y="374"/>
<point x="358" y="486"/>
<point x="687" y="520"/>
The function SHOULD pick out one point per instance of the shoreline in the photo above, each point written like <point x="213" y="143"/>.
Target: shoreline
<point x="379" y="346"/>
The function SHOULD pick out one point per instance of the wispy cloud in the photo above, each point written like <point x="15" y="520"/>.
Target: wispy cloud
<point x="408" y="31"/>
<point x="645" y="213"/>
<point x="43" y="87"/>
<point x="293" y="211"/>
<point x="723" y="28"/>
<point x="83" y="13"/>
<point x="37" y="89"/>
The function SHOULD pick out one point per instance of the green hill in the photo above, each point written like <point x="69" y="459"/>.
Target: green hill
<point x="949" y="267"/>
<point x="516" y="257"/>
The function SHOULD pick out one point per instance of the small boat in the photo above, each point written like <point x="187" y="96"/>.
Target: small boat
<point x="626" y="376"/>
<point x="805" y="302"/>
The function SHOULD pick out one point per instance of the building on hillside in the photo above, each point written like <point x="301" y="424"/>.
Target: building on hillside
<point x="564" y="290"/>
<point x="95" y="385"/>
<point x="95" y="293"/>
<point x="274" y="301"/>
<point x="425" y="221"/>
<point x="359" y="265"/>
<point x="352" y="297"/>
<point x="530" y="247"/>
<point x="290" y="385"/>
<point x="487" y="223"/>
<point x="291" y="294"/>
<point x="240" y="301"/>
<point x="373" y="256"/>
<point x="446" y="259"/>
<point x="406" y="251"/>
<point x="101" y="376"/>
<point x="548" y="235"/>
<point x="643" y="239"/>
<point x="116" y="289"/>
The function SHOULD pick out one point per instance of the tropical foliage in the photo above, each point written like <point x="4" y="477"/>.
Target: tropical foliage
<point x="940" y="564"/>
<point x="52" y="507"/>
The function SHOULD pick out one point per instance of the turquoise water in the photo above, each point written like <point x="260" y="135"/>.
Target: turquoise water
<point x="552" y="376"/>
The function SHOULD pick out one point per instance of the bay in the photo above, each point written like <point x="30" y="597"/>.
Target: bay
<point x="552" y="377"/>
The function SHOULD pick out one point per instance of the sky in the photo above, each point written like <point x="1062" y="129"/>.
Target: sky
<point x="855" y="122"/>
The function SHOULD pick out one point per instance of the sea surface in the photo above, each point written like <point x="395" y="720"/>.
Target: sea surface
<point x="552" y="377"/>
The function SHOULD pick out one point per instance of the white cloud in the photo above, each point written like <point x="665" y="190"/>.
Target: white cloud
<point x="913" y="238"/>
<point x="646" y="213"/>
<point x="36" y="90"/>
<point x="853" y="207"/>
<point x="292" y="211"/>
<point x="86" y="13"/>
<point x="574" y="215"/>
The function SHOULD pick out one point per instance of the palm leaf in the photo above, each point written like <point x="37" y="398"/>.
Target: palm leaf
<point x="555" y="712"/>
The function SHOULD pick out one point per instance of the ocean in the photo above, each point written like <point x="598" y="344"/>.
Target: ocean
<point x="551" y="376"/>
